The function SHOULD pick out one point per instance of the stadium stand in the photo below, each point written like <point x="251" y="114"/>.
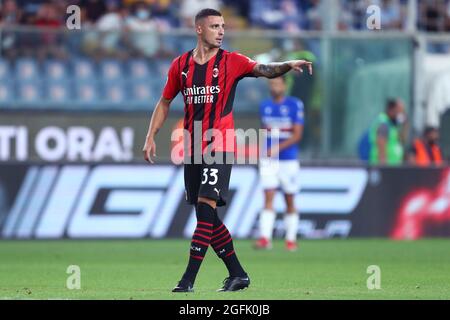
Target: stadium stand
<point x="43" y="66"/>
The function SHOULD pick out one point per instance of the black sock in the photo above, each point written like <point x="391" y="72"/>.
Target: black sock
<point x="200" y="239"/>
<point x="222" y="244"/>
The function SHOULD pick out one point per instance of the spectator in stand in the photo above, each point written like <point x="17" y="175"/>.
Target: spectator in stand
<point x="10" y="13"/>
<point x="260" y="11"/>
<point x="50" y="43"/>
<point x="85" y="22"/>
<point x="347" y="15"/>
<point x="107" y="41"/>
<point x="241" y="8"/>
<point x="143" y="31"/>
<point x="110" y="26"/>
<point x="351" y="14"/>
<point x="432" y="15"/>
<point x="314" y="15"/>
<point x="29" y="8"/>
<point x="391" y="15"/>
<point x="292" y="16"/>
<point x="272" y="14"/>
<point x="47" y="16"/>
<point x="61" y="8"/>
<point x="358" y="11"/>
<point x="163" y="14"/>
<point x="189" y="8"/>
<point x="10" y="16"/>
<point x="94" y="9"/>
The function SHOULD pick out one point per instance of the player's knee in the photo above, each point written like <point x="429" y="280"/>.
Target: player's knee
<point x="290" y="207"/>
<point x="208" y="201"/>
<point x="269" y="195"/>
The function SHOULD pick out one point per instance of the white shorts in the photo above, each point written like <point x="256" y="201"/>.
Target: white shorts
<point x="280" y="173"/>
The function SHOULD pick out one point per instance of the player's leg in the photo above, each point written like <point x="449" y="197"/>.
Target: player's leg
<point x="203" y="231"/>
<point x="266" y="221"/>
<point x="291" y="219"/>
<point x="215" y="184"/>
<point x="269" y="181"/>
<point x="222" y="243"/>
<point x="289" y="177"/>
<point x="201" y="239"/>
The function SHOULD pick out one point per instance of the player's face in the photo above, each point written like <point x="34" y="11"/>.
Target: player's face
<point x="433" y="136"/>
<point x="277" y="87"/>
<point x="398" y="110"/>
<point x="211" y="30"/>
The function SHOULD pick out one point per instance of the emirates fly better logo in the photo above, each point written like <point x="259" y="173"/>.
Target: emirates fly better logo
<point x="198" y="95"/>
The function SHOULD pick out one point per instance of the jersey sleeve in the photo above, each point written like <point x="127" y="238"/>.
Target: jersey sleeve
<point x="298" y="114"/>
<point x="173" y="85"/>
<point x="241" y="65"/>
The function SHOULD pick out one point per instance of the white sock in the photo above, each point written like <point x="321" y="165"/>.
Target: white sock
<point x="266" y="221"/>
<point x="291" y="226"/>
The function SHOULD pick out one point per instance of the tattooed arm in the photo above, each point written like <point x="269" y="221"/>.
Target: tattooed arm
<point x="276" y="69"/>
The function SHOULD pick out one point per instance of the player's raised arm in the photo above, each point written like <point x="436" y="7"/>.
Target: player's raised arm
<point x="159" y="116"/>
<point x="276" y="69"/>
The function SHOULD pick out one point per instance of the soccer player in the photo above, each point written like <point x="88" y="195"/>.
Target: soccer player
<point x="207" y="77"/>
<point x="285" y="114"/>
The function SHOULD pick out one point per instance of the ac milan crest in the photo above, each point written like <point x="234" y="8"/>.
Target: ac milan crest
<point x="215" y="72"/>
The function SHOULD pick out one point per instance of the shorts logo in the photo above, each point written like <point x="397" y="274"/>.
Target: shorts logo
<point x="215" y="72"/>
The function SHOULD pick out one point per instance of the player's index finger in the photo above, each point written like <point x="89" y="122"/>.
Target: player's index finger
<point x="147" y="156"/>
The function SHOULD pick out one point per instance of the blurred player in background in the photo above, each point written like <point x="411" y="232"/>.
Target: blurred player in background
<point x="287" y="115"/>
<point x="207" y="77"/>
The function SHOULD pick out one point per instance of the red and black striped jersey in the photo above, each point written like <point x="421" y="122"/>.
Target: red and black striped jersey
<point x="208" y="92"/>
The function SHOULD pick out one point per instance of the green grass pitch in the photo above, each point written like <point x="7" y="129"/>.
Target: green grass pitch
<point x="148" y="269"/>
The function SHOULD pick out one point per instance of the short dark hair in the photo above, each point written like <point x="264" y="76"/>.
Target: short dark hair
<point x="206" y="13"/>
<point x="282" y="78"/>
<point x="429" y="129"/>
<point x="391" y="104"/>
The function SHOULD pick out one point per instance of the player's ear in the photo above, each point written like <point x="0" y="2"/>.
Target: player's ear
<point x="198" y="27"/>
